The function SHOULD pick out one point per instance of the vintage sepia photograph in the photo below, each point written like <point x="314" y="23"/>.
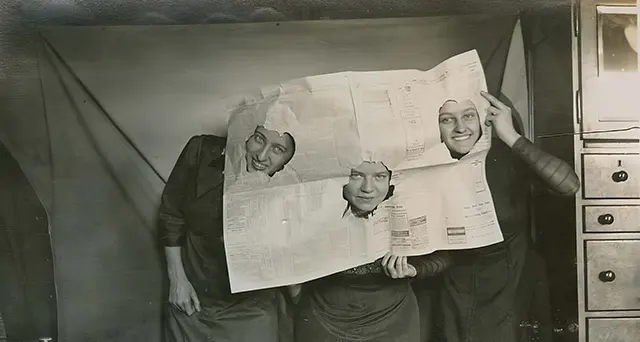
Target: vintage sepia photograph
<point x="319" y="171"/>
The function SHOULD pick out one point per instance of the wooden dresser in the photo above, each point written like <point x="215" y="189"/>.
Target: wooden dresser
<point x="607" y="157"/>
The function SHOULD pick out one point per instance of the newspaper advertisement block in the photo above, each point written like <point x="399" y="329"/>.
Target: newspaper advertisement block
<point x="330" y="172"/>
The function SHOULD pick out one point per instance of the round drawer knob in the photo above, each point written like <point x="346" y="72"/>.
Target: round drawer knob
<point x="620" y="176"/>
<point x="607" y="276"/>
<point x="605" y="219"/>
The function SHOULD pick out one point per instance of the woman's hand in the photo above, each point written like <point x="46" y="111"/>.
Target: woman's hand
<point x="499" y="116"/>
<point x="397" y="267"/>
<point x="183" y="296"/>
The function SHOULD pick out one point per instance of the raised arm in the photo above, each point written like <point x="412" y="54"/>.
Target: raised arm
<point x="556" y="174"/>
<point x="553" y="172"/>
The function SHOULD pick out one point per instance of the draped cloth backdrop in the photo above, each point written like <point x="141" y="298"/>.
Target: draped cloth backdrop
<point x="113" y="106"/>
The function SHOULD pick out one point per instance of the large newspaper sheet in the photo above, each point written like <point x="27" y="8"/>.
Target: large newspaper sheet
<point x="369" y="174"/>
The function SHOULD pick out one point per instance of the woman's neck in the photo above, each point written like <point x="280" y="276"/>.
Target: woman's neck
<point x="361" y="213"/>
<point x="456" y="155"/>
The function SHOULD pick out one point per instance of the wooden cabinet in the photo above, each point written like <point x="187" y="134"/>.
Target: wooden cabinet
<point x="606" y="86"/>
<point x="612" y="274"/>
<point x="606" y="96"/>
<point x="614" y="329"/>
<point x="611" y="218"/>
<point x="611" y="175"/>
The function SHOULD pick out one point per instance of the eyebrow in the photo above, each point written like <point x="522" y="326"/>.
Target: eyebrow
<point x="281" y="146"/>
<point x="384" y="173"/>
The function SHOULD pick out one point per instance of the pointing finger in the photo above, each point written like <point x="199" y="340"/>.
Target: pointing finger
<point x="493" y="100"/>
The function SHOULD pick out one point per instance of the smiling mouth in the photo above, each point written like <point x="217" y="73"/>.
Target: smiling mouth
<point x="258" y="165"/>
<point x="366" y="199"/>
<point x="462" y="137"/>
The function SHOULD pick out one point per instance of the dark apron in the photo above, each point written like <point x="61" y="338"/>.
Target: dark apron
<point x="379" y="310"/>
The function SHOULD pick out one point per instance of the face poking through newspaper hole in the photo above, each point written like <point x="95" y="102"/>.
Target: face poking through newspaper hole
<point x="268" y="151"/>
<point x="460" y="128"/>
<point x="369" y="185"/>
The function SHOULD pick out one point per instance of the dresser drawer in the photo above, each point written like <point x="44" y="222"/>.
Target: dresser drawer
<point x="607" y="219"/>
<point x="613" y="275"/>
<point x="611" y="175"/>
<point x="613" y="329"/>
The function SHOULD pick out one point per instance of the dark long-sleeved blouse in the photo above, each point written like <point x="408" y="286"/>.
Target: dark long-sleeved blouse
<point x="190" y="216"/>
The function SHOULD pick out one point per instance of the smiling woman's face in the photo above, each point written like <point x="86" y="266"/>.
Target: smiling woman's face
<point x="368" y="186"/>
<point x="268" y="151"/>
<point x="459" y="125"/>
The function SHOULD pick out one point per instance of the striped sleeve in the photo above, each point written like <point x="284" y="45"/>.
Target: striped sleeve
<point x="432" y="264"/>
<point x="552" y="171"/>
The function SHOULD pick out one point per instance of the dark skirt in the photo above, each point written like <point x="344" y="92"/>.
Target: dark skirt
<point x="340" y="312"/>
<point x="259" y="317"/>
<point x="491" y="298"/>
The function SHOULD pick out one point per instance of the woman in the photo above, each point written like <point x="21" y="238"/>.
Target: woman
<point x="372" y="302"/>
<point x="201" y="306"/>
<point x="487" y="291"/>
<point x="369" y="185"/>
